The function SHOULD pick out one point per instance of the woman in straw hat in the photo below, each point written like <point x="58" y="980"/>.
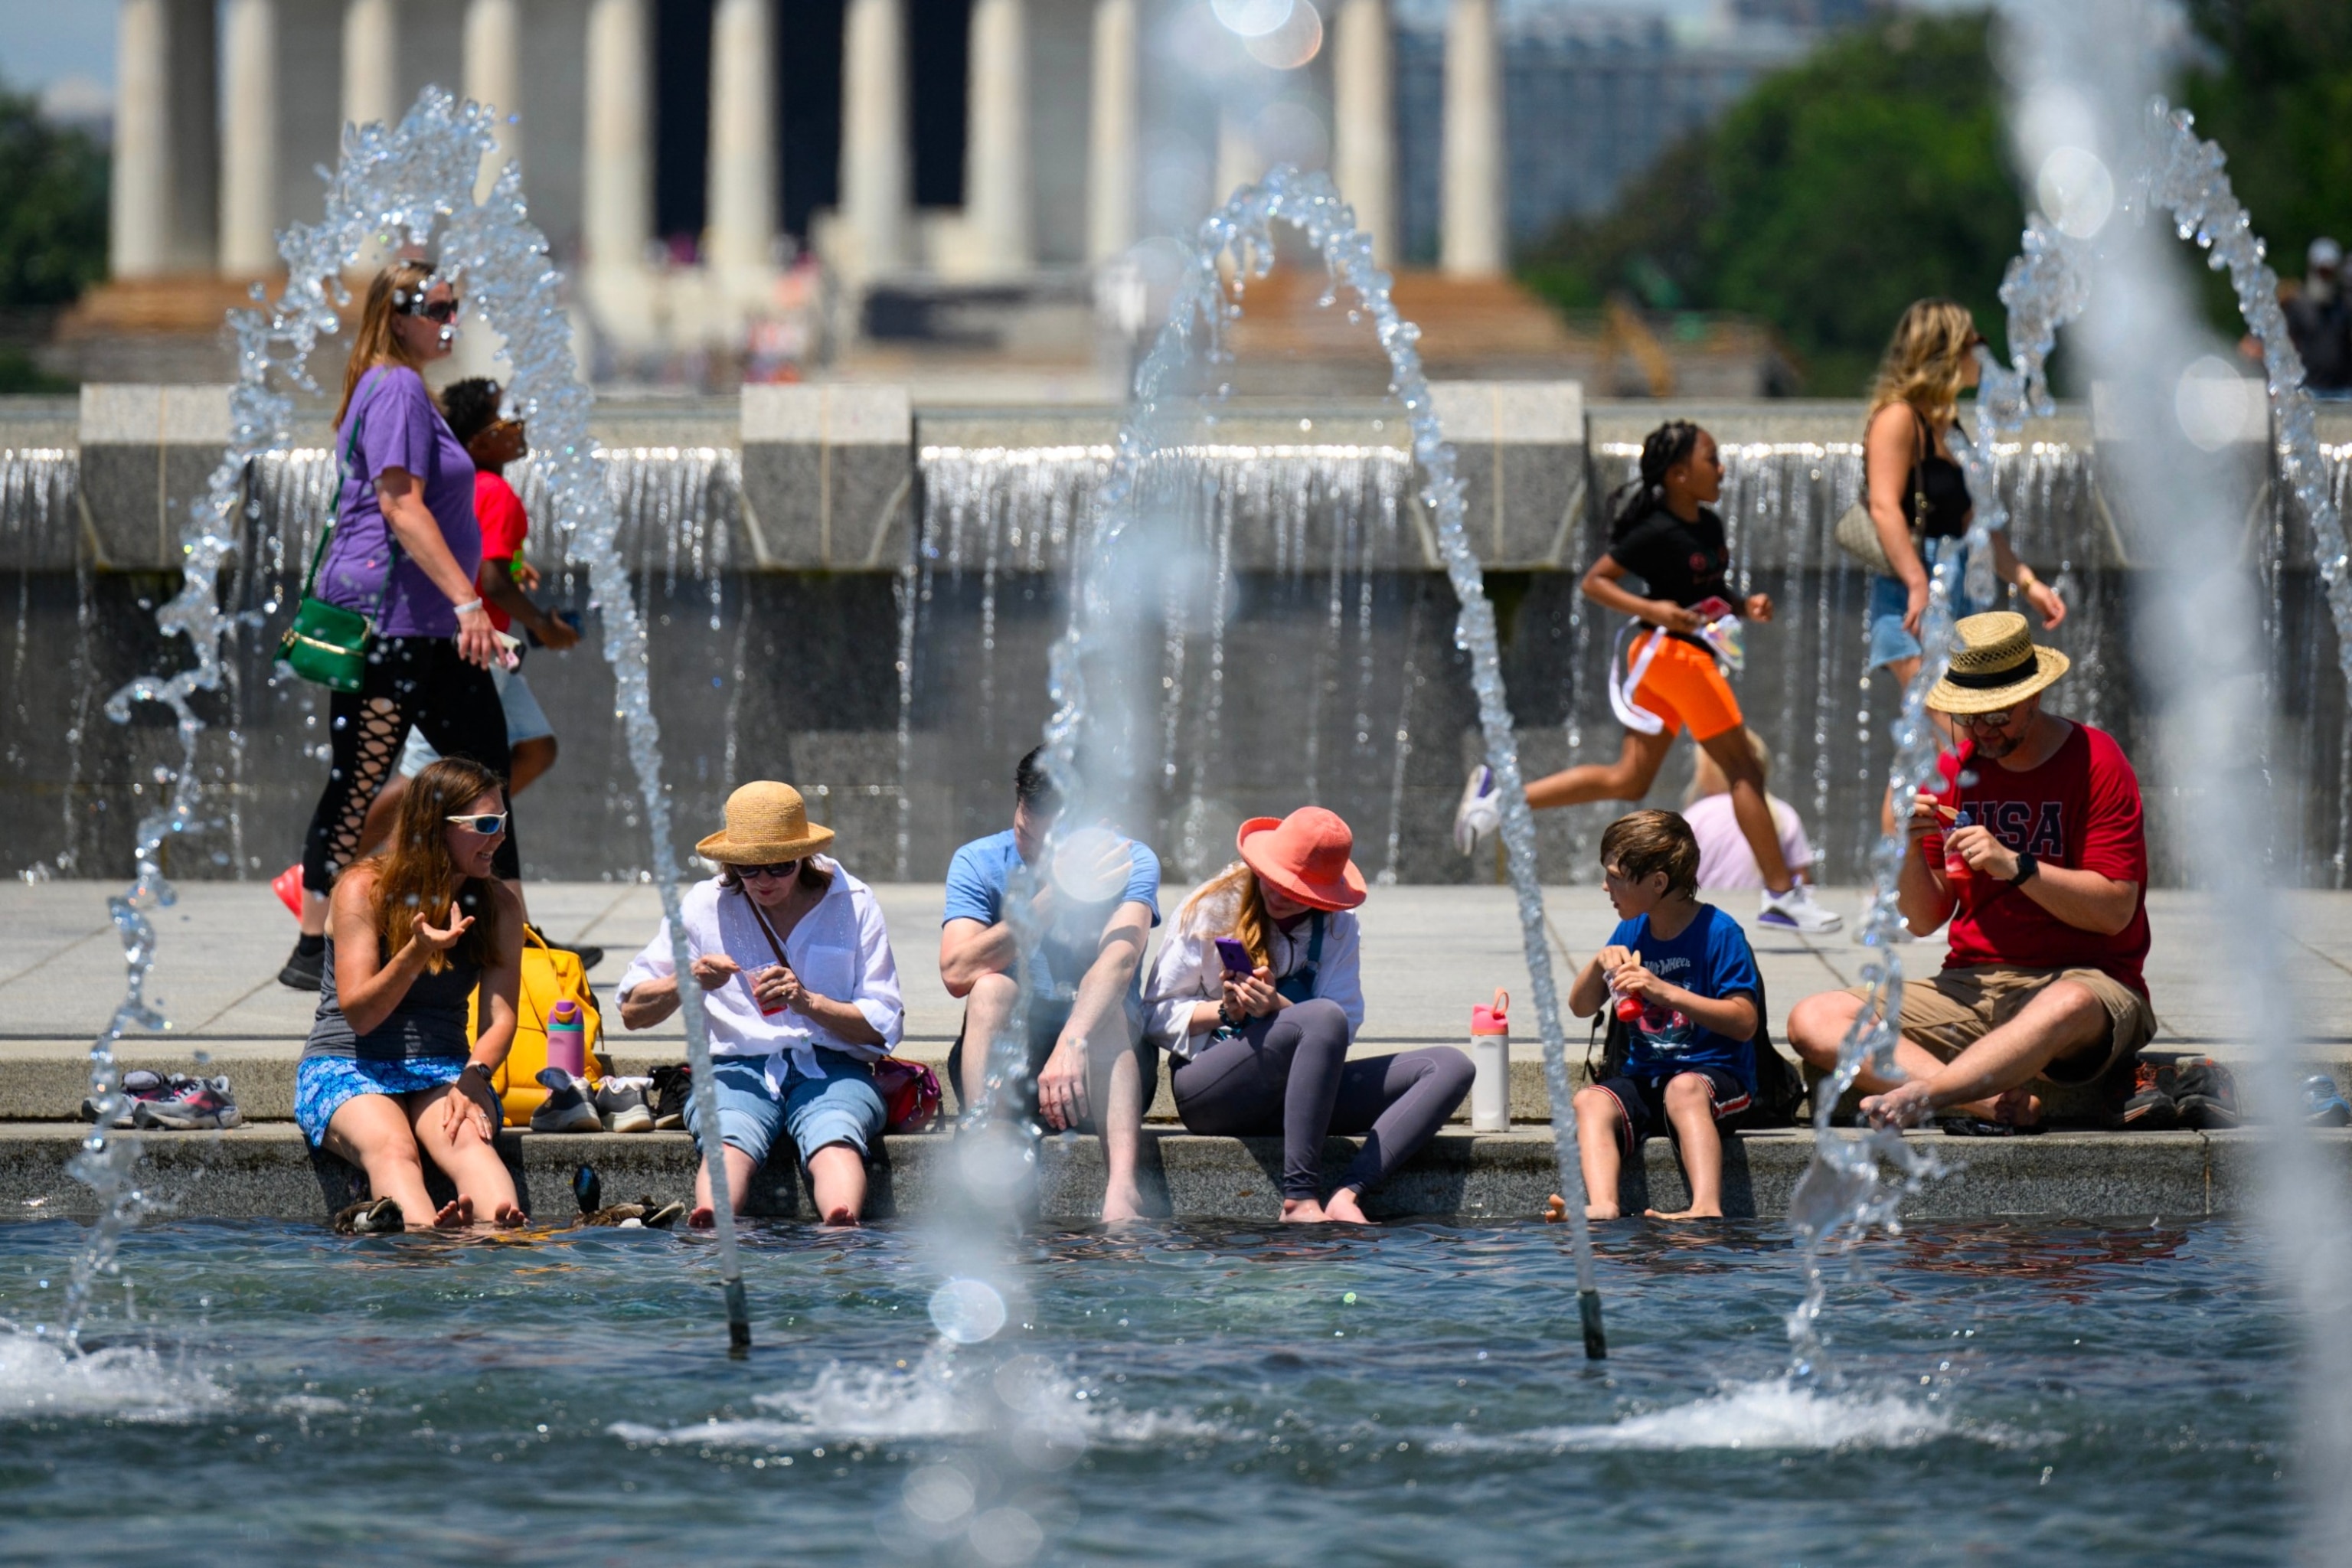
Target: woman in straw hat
<point x="2034" y="850"/>
<point x="800" y="992"/>
<point x="1260" y="1039"/>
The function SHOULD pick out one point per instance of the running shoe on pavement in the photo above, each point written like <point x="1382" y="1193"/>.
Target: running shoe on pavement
<point x="621" y="1105"/>
<point x="1480" y="815"/>
<point x="138" y="1085"/>
<point x="2322" y="1106"/>
<point x="2151" y="1107"/>
<point x="304" y="971"/>
<point x="1796" y="911"/>
<point x="191" y="1105"/>
<point x="566" y="1108"/>
<point x="671" y="1085"/>
<point x="2207" y="1095"/>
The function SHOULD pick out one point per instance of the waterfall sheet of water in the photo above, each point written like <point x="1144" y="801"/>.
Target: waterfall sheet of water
<point x="1091" y="733"/>
<point x="408" y="181"/>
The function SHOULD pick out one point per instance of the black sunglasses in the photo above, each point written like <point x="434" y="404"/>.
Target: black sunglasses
<point x="781" y="868"/>
<point x="441" y="311"/>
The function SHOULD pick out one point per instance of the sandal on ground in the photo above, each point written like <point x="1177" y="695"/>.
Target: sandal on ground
<point x="370" y="1216"/>
<point x="1977" y="1127"/>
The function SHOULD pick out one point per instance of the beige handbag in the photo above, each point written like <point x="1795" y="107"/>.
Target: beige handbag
<point x="1857" y="535"/>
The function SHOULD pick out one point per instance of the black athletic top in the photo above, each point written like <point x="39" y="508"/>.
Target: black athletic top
<point x="1939" y="481"/>
<point x="1680" y="561"/>
<point x="428" y="1024"/>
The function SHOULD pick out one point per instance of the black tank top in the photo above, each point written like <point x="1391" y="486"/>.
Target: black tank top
<point x="1938" y="482"/>
<point x="429" y="1023"/>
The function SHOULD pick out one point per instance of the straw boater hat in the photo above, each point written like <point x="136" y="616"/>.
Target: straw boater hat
<point x="1305" y="856"/>
<point x="766" y="824"/>
<point x="1996" y="663"/>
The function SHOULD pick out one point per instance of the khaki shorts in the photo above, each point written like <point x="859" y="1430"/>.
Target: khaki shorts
<point x="1945" y="1013"/>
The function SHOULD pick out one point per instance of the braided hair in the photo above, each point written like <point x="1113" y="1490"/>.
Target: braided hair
<point x="1662" y="448"/>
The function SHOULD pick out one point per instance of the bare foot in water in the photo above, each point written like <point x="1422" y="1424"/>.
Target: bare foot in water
<point x="508" y="1216"/>
<point x="843" y="1216"/>
<point x="455" y="1215"/>
<point x="701" y="1218"/>
<point x="1692" y="1213"/>
<point x="1118" y="1208"/>
<point x="1302" y="1211"/>
<point x="1555" y="1210"/>
<point x="1342" y="1208"/>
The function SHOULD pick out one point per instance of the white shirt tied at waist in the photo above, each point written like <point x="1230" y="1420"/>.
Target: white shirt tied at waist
<point x="1190" y="972"/>
<point x="841" y="949"/>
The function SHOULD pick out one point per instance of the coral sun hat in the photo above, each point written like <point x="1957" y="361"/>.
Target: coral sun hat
<point x="1305" y="855"/>
<point x="766" y="824"/>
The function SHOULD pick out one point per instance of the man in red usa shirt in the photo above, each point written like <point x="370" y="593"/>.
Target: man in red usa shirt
<point x="2034" y="850"/>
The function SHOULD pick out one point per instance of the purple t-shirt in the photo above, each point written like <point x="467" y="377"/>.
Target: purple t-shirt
<point x="398" y="427"/>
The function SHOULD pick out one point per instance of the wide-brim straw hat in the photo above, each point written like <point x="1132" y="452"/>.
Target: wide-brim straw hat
<point x="1305" y="855"/>
<point x="1996" y="663"/>
<point x="766" y="824"/>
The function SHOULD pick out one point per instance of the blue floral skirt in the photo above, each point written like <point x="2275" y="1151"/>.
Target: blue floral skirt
<point x="323" y="1084"/>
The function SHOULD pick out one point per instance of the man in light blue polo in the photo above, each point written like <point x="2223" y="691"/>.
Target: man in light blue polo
<point x="1088" y="1063"/>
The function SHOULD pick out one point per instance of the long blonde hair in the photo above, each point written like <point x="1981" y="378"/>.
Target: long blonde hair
<point x="414" y="873"/>
<point x="1926" y="358"/>
<point x="1230" y="899"/>
<point x="376" y="343"/>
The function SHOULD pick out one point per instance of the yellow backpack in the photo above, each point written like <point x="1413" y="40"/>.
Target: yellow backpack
<point x="548" y="976"/>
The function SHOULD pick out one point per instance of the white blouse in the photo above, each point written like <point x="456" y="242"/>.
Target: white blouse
<point x="1190" y="972"/>
<point x="840" y="950"/>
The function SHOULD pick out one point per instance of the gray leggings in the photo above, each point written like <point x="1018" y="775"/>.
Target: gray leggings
<point x="1290" y="1074"/>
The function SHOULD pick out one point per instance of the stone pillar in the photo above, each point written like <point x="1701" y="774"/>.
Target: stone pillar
<point x="494" y="77"/>
<point x="996" y="178"/>
<point x="877" y="171"/>
<point x="249" y="219"/>
<point x="742" y="190"/>
<point x="371" y="62"/>
<point x="617" y="194"/>
<point x="1363" y="119"/>
<point x="1238" y="163"/>
<point x="1475" y="242"/>
<point x="1112" y="174"/>
<point x="164" y="206"/>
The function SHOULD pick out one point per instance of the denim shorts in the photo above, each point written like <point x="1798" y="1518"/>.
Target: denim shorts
<point x="1888" y="599"/>
<point x="526" y="720"/>
<point x="324" y="1085"/>
<point x="841" y="1106"/>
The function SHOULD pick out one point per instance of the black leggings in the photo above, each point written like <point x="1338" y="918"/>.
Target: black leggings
<point x="1290" y="1074"/>
<point x="410" y="682"/>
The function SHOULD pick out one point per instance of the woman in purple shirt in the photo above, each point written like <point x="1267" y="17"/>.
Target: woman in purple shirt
<point x="404" y="552"/>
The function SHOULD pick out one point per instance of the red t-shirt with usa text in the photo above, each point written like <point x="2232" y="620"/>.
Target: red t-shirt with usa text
<point x="505" y="526"/>
<point x="2079" y="810"/>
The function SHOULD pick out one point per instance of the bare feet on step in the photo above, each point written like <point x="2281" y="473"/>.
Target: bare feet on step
<point x="1342" y="1208"/>
<point x="1302" y="1211"/>
<point x="1692" y="1213"/>
<point x="1555" y="1210"/>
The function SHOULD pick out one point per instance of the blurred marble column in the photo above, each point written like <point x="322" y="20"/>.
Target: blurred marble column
<point x="739" y="241"/>
<point x="1112" y="172"/>
<point x="494" y="77"/>
<point x="371" y="62"/>
<point x="616" y="193"/>
<point x="248" y="214"/>
<point x="1363" y="119"/>
<point x="163" y="206"/>
<point x="876" y="168"/>
<point x="996" y="174"/>
<point x="1475" y="242"/>
<point x="1239" y="163"/>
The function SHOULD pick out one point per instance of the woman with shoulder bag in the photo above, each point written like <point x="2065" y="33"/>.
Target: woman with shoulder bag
<point x="800" y="992"/>
<point x="404" y="552"/>
<point x="1257" y="995"/>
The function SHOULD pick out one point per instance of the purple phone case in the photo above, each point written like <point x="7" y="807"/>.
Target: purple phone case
<point x="1235" y="956"/>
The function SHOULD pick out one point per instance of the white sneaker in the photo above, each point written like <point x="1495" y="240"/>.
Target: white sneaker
<point x="567" y="1107"/>
<point x="1480" y="815"/>
<point x="1795" y="910"/>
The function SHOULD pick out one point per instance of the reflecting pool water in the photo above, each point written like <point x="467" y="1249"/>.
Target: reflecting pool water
<point x="1190" y="1394"/>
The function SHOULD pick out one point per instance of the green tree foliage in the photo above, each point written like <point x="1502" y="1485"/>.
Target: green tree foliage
<point x="2277" y="95"/>
<point x="1835" y="193"/>
<point x="53" y="217"/>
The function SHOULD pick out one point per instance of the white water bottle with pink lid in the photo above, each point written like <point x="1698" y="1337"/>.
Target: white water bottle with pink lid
<point x="567" y="1037"/>
<point x="1490" y="1065"/>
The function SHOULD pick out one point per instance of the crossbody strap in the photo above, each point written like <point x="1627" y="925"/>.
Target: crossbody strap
<point x="345" y="457"/>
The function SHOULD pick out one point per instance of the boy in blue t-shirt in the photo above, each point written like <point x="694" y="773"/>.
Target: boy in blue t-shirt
<point x="1682" y="976"/>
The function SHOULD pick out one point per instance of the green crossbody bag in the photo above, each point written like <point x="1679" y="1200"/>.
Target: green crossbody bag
<point x="326" y="644"/>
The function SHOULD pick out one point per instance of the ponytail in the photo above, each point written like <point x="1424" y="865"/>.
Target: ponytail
<point x="1669" y="444"/>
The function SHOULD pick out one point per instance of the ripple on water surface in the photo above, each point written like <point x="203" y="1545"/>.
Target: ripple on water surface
<point x="1195" y="1394"/>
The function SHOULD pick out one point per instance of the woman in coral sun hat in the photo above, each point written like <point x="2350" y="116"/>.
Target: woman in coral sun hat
<point x="1256" y="996"/>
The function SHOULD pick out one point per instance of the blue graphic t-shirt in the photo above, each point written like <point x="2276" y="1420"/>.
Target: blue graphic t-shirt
<point x="1710" y="957"/>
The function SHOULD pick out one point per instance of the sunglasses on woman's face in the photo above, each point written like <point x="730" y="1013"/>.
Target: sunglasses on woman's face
<point x="488" y="824"/>
<point x="441" y="311"/>
<point x="780" y="870"/>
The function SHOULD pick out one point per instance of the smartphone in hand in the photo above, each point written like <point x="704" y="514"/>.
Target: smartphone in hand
<point x="1235" y="956"/>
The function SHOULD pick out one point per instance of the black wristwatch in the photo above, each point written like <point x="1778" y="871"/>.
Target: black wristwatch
<point x="485" y="1069"/>
<point x="2028" y="867"/>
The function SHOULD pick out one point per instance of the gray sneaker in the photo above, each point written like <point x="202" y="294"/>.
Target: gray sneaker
<point x="621" y="1105"/>
<point x="566" y="1109"/>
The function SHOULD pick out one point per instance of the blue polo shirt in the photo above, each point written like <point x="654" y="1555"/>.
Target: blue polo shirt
<point x="983" y="871"/>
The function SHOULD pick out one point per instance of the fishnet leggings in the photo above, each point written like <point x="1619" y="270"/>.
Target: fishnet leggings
<point x="417" y="682"/>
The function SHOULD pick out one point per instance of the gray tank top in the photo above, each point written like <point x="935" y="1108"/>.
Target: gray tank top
<point x="429" y="1022"/>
